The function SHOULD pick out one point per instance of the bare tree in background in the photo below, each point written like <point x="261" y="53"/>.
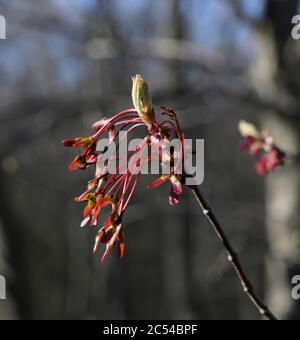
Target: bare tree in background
<point x="273" y="76"/>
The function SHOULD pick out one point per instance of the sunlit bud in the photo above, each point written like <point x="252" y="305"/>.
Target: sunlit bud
<point x="141" y="99"/>
<point x="248" y="130"/>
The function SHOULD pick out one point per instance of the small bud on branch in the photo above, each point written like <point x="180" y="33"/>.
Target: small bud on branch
<point x="141" y="99"/>
<point x="262" y="146"/>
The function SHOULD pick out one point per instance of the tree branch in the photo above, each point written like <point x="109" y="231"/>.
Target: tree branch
<point x="232" y="256"/>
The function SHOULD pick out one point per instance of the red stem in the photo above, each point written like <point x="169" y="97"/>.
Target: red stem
<point x="232" y="256"/>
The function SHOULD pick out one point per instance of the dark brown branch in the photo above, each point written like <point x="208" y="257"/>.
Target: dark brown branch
<point x="232" y="256"/>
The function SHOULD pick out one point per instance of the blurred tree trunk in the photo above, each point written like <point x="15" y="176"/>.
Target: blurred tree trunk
<point x="175" y="249"/>
<point x="12" y="265"/>
<point x="173" y="27"/>
<point x="273" y="81"/>
<point x="8" y="308"/>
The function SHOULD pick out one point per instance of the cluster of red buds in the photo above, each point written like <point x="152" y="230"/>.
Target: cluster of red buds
<point x="115" y="190"/>
<point x="261" y="146"/>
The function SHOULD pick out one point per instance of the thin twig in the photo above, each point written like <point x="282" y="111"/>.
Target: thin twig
<point x="232" y="256"/>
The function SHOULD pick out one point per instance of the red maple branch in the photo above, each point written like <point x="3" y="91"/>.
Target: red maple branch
<point x="232" y="256"/>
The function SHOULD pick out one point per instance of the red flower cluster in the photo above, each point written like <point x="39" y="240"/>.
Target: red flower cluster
<point x="261" y="145"/>
<point x="115" y="190"/>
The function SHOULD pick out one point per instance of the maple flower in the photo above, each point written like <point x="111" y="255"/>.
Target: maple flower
<point x="262" y="146"/>
<point x="114" y="190"/>
<point x="270" y="161"/>
<point x="176" y="187"/>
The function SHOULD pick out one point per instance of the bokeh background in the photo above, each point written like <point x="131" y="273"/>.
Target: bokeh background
<point x="67" y="63"/>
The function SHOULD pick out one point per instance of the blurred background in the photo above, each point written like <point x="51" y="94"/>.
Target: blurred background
<point x="66" y="64"/>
